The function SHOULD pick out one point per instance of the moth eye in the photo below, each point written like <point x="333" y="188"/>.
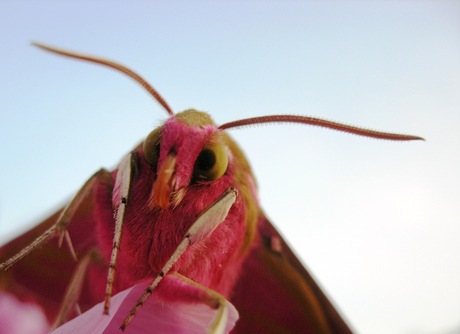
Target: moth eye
<point x="152" y="147"/>
<point x="211" y="163"/>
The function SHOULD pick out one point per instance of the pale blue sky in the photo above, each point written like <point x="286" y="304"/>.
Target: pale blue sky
<point x="377" y="223"/>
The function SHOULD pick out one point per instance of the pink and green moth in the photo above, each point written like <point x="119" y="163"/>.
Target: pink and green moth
<point x="180" y="211"/>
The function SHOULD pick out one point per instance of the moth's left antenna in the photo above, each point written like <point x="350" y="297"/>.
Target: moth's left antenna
<point x="133" y="75"/>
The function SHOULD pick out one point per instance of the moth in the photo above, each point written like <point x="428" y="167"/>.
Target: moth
<point x="181" y="209"/>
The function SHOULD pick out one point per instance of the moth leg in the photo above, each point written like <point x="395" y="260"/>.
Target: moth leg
<point x="191" y="291"/>
<point x="120" y="199"/>
<point x="208" y="220"/>
<point x="214" y="300"/>
<point x="60" y="227"/>
<point x="74" y="288"/>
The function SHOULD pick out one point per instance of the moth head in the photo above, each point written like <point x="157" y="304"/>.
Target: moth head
<point x="186" y="150"/>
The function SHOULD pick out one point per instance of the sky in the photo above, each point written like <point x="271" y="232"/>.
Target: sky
<point x="377" y="223"/>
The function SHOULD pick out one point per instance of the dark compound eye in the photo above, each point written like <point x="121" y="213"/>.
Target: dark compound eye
<point x="206" y="160"/>
<point x="152" y="147"/>
<point x="211" y="163"/>
<point x="157" y="148"/>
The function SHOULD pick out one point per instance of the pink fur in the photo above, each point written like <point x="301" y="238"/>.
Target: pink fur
<point x="150" y="236"/>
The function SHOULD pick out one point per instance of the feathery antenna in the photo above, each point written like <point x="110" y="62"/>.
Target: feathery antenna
<point x="318" y="122"/>
<point x="130" y="73"/>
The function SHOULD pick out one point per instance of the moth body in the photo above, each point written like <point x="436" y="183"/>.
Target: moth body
<point x="151" y="233"/>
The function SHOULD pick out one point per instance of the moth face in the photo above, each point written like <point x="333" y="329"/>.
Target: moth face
<point x="185" y="151"/>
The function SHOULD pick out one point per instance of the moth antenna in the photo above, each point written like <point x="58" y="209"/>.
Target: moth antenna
<point x="318" y="122"/>
<point x="130" y="73"/>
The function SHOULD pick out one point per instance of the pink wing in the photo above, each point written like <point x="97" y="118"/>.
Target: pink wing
<point x="43" y="276"/>
<point x="276" y="294"/>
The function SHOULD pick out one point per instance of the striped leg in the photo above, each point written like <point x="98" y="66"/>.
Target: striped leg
<point x="120" y="199"/>
<point x="74" y="288"/>
<point x="60" y="227"/>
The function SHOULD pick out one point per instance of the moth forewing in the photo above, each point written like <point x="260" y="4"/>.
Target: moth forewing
<point x="60" y="227"/>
